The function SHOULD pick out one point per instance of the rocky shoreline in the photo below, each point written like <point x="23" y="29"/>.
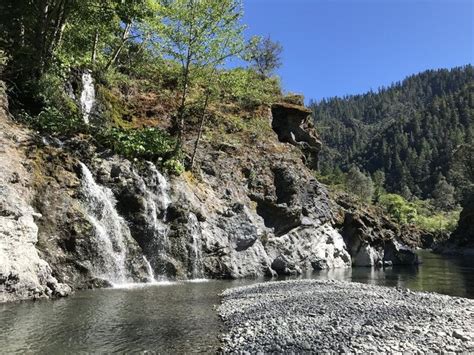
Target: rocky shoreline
<point x="334" y="316"/>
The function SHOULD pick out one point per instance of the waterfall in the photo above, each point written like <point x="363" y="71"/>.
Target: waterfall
<point x="156" y="194"/>
<point x="157" y="201"/>
<point x="87" y="95"/>
<point x="162" y="188"/>
<point x="110" y="232"/>
<point x="149" y="269"/>
<point x="196" y="248"/>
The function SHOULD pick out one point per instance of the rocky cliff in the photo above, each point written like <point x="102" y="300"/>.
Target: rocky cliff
<point x="74" y="215"/>
<point x="461" y="240"/>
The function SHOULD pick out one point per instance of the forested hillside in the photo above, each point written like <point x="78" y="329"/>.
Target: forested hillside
<point x="410" y="131"/>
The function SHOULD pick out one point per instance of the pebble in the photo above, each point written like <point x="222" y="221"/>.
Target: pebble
<point x="286" y="317"/>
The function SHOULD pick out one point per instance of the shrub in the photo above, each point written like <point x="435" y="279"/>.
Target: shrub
<point x="399" y="208"/>
<point x="147" y="143"/>
<point x="247" y="88"/>
<point x="174" y="166"/>
<point x="51" y="120"/>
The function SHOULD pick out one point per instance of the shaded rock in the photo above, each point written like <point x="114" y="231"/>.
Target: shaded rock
<point x="292" y="124"/>
<point x="370" y="237"/>
<point x="461" y="240"/>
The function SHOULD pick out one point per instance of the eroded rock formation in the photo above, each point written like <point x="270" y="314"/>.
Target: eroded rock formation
<point x="292" y="123"/>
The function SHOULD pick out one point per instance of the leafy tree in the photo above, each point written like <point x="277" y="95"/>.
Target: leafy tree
<point x="406" y="193"/>
<point x="463" y="168"/>
<point x="444" y="195"/>
<point x="200" y="35"/>
<point x="379" y="182"/>
<point x="398" y="208"/>
<point x="265" y="55"/>
<point x="360" y="184"/>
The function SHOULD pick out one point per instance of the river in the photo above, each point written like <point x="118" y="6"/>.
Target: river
<point x="180" y="317"/>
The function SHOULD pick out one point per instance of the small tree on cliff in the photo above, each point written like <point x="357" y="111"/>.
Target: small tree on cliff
<point x="200" y="35"/>
<point x="360" y="184"/>
<point x="265" y="55"/>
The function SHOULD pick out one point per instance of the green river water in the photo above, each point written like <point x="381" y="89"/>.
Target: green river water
<point x="181" y="317"/>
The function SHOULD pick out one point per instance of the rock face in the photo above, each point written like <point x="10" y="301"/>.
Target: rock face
<point x="76" y="216"/>
<point x="23" y="273"/>
<point x="462" y="239"/>
<point x="372" y="239"/>
<point x="292" y="123"/>
<point x="343" y="317"/>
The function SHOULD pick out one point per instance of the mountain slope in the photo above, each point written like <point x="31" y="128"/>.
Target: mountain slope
<point x="409" y="130"/>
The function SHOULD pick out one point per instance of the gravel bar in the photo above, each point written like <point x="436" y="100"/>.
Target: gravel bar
<point x="334" y="316"/>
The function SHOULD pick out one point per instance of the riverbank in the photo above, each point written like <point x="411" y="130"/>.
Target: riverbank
<point x="307" y="315"/>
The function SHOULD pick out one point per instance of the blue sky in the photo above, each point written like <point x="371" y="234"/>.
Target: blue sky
<point x="339" y="47"/>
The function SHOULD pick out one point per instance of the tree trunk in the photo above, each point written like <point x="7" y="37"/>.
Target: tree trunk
<point x="119" y="48"/>
<point x="94" y="47"/>
<point x="52" y="37"/>
<point x="201" y="128"/>
<point x="179" y="124"/>
<point x="42" y="33"/>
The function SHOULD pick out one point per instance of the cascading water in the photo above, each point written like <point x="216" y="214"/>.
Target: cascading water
<point x="87" y="95"/>
<point x="151" y="274"/>
<point x="157" y="200"/>
<point x="110" y="231"/>
<point x="196" y="250"/>
<point x="158" y="203"/>
<point x="162" y="188"/>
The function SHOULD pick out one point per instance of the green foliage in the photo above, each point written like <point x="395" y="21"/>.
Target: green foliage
<point x="245" y="87"/>
<point x="439" y="222"/>
<point x="463" y="170"/>
<point x="410" y="131"/>
<point x="265" y="55"/>
<point x="138" y="49"/>
<point x="200" y="35"/>
<point x="360" y="184"/>
<point x="52" y="121"/>
<point x="147" y="143"/>
<point x="58" y="113"/>
<point x="397" y="207"/>
<point x="419" y="213"/>
<point x="174" y="166"/>
<point x="444" y="195"/>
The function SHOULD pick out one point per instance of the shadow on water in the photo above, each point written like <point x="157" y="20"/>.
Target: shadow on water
<point x="180" y="317"/>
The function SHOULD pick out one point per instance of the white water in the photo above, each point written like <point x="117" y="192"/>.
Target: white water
<point x="162" y="188"/>
<point x="149" y="269"/>
<point x="87" y="95"/>
<point x="110" y="232"/>
<point x="157" y="201"/>
<point x="196" y="248"/>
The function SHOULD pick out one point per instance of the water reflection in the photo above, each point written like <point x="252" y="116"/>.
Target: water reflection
<point x="180" y="317"/>
<point x="442" y="274"/>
